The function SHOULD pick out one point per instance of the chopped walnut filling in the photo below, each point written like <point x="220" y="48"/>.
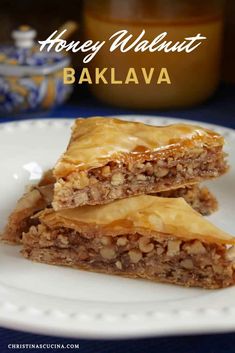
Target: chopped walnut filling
<point x="160" y="258"/>
<point x="120" y="180"/>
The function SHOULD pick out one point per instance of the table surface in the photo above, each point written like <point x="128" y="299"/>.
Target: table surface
<point x="218" y="110"/>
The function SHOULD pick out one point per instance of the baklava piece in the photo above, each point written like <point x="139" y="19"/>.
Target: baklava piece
<point x="147" y="237"/>
<point x="35" y="199"/>
<point x="109" y="159"/>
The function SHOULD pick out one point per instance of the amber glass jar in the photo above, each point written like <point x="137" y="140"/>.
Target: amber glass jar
<point x="194" y="76"/>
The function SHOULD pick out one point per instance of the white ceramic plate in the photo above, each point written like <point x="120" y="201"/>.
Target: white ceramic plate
<point x="62" y="301"/>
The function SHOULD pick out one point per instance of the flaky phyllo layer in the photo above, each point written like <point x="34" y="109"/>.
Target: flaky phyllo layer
<point x="109" y="159"/>
<point x="40" y="196"/>
<point x="146" y="236"/>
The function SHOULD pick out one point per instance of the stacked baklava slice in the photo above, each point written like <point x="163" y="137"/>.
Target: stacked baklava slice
<point x="125" y="198"/>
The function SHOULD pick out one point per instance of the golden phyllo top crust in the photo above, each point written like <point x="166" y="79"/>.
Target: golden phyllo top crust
<point x="144" y="214"/>
<point x="97" y="141"/>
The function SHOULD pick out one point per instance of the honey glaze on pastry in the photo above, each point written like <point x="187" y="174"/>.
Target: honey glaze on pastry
<point x="96" y="141"/>
<point x="148" y="213"/>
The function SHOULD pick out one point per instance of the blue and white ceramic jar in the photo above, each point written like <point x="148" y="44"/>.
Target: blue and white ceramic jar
<point x="30" y="80"/>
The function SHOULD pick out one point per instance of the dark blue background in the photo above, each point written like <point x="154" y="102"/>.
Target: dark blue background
<point x="218" y="110"/>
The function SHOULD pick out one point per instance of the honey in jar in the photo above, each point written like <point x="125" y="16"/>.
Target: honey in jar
<point x="193" y="76"/>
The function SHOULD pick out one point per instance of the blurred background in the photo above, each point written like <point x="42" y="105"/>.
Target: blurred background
<point x="207" y="75"/>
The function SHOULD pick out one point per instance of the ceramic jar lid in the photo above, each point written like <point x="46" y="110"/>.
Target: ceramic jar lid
<point x="24" y="58"/>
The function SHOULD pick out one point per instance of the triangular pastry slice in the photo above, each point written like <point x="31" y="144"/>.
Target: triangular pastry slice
<point x="109" y="159"/>
<point x="147" y="237"/>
